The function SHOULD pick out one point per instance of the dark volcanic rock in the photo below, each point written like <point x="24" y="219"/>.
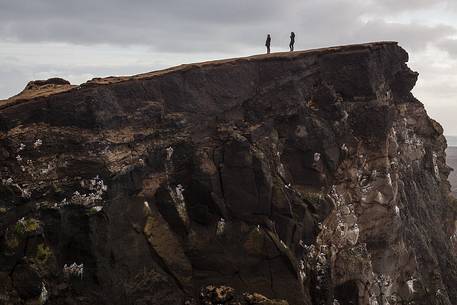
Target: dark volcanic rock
<point x="301" y="178"/>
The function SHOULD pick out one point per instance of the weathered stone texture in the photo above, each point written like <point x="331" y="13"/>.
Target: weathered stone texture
<point x="293" y="178"/>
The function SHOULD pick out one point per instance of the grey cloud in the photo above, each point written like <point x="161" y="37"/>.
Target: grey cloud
<point x="349" y="26"/>
<point x="449" y="45"/>
<point x="206" y="25"/>
<point x="140" y="11"/>
<point x="410" y="5"/>
<point x="201" y="24"/>
<point x="11" y="80"/>
<point x="412" y="36"/>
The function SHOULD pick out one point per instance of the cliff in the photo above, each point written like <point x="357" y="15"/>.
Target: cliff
<point x="297" y="178"/>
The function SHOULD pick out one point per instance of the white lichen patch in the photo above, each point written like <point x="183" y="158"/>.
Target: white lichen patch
<point x="44" y="295"/>
<point x="374" y="174"/>
<point x="97" y="188"/>
<point x="397" y="210"/>
<point x="95" y="184"/>
<point x="50" y="167"/>
<point x="177" y="195"/>
<point x="37" y="143"/>
<point x="345" y="115"/>
<point x="179" y="192"/>
<point x="220" y="227"/>
<point x="300" y="131"/>
<point x="389" y="179"/>
<point x="281" y="170"/>
<point x="382" y="287"/>
<point x="97" y="208"/>
<point x="146" y="206"/>
<point x="410" y="284"/>
<point x="344" y="148"/>
<point x="436" y="169"/>
<point x="169" y="151"/>
<point x="63" y="202"/>
<point x="321" y="266"/>
<point x="337" y="198"/>
<point x="8" y="181"/>
<point x="302" y="269"/>
<point x="74" y="270"/>
<point x="352" y="235"/>
<point x="373" y="300"/>
<point x="26" y="193"/>
<point x="344" y="231"/>
<point x="84" y="199"/>
<point x="453" y="237"/>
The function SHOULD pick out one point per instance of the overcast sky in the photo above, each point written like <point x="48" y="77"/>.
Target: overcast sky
<point x="82" y="39"/>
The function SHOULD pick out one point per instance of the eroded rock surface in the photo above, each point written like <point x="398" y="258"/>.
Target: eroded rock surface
<point x="295" y="178"/>
<point x="39" y="88"/>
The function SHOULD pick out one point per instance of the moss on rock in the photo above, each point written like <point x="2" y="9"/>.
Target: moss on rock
<point x="43" y="253"/>
<point x="25" y="226"/>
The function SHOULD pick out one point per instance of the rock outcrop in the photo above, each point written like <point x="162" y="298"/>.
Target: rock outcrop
<point x="41" y="88"/>
<point x="293" y="178"/>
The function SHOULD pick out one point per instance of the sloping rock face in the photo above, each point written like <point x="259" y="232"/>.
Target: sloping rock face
<point x="301" y="178"/>
<point x="41" y="88"/>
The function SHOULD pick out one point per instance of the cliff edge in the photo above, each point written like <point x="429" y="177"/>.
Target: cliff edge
<point x="310" y="177"/>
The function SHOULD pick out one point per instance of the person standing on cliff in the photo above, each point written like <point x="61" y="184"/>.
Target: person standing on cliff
<point x="268" y="43"/>
<point x="292" y="41"/>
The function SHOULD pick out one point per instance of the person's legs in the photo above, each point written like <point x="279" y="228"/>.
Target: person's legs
<point x="268" y="49"/>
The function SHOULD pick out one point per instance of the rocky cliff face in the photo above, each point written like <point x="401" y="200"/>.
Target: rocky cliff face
<point x="301" y="178"/>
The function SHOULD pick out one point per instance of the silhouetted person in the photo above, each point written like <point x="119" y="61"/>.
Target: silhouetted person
<point x="292" y="41"/>
<point x="268" y="43"/>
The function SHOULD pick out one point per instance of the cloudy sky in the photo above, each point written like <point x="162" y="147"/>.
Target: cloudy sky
<point x="82" y="39"/>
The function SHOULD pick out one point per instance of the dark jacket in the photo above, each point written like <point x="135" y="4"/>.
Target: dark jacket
<point x="292" y="37"/>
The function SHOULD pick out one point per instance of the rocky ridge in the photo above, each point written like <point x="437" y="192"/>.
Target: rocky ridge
<point x="310" y="177"/>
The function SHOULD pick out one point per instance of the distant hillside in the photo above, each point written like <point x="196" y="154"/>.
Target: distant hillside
<point x="451" y="141"/>
<point x="451" y="158"/>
